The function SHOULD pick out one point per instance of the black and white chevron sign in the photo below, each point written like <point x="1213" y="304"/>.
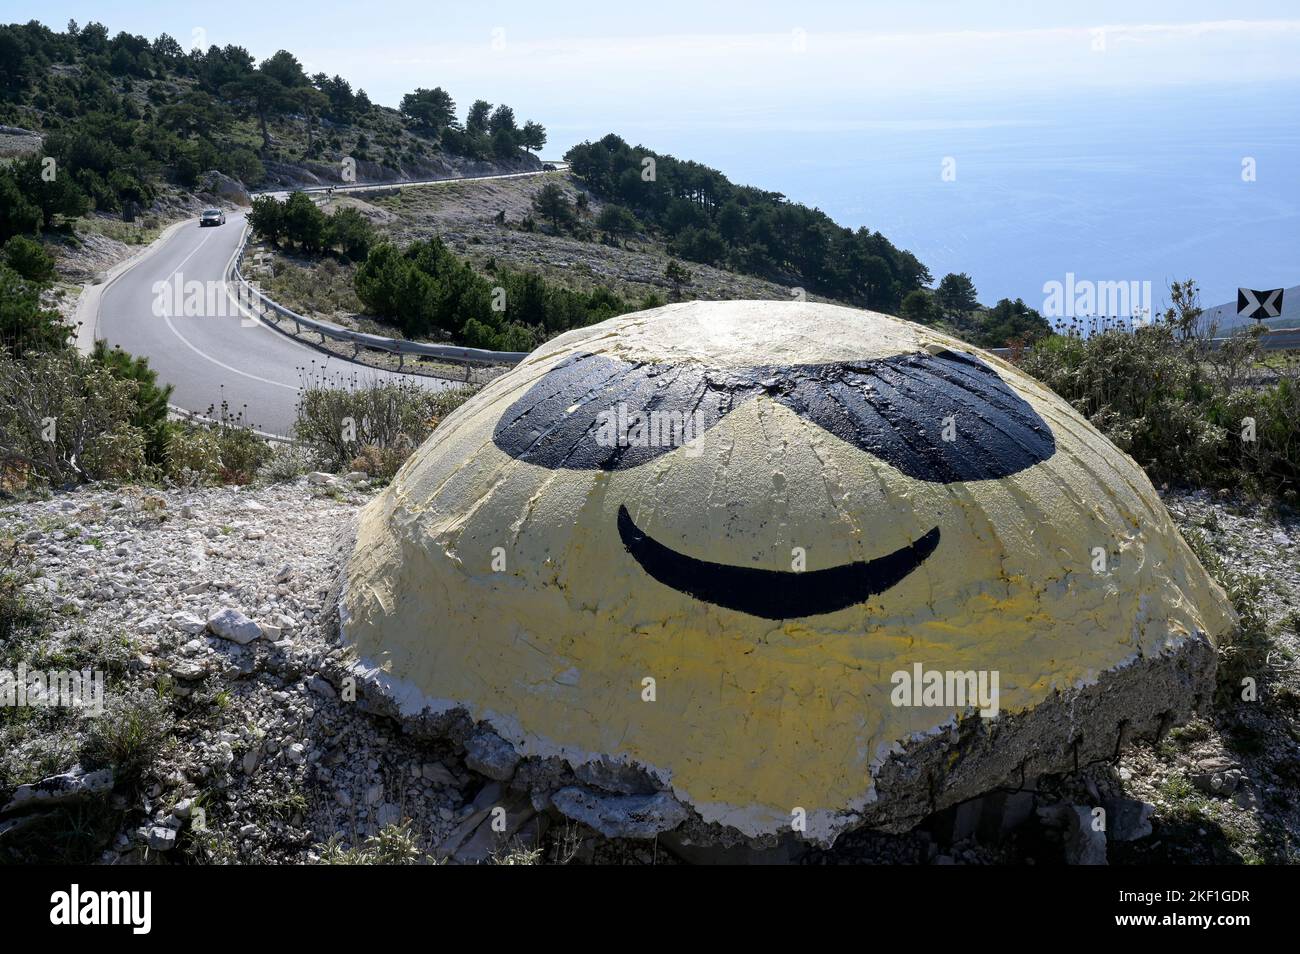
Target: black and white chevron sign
<point x="1259" y="304"/>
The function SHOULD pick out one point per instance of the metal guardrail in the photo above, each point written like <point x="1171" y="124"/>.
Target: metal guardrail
<point x="346" y="187"/>
<point x="249" y="296"/>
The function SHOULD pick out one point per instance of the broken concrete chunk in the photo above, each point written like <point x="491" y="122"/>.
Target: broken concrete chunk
<point x="1127" y="819"/>
<point x="612" y="776"/>
<point x="621" y="816"/>
<point x="489" y="754"/>
<point x="1084" y="843"/>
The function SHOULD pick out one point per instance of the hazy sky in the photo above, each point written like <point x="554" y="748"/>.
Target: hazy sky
<point x="752" y="65"/>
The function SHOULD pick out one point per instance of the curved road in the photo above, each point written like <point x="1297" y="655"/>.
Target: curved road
<point x="214" y="352"/>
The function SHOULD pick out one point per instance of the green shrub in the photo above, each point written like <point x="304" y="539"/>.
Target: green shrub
<point x="288" y="462"/>
<point x="266" y="219"/>
<point x="380" y="422"/>
<point x="151" y="399"/>
<point x="223" y="450"/>
<point x="242" y="453"/>
<point x="25" y="324"/>
<point x="16" y="610"/>
<point x="18" y="214"/>
<point x="129" y="735"/>
<point x="65" y="418"/>
<point x="1246" y="653"/>
<point x="193" y="454"/>
<point x="29" y="259"/>
<point x="116" y="455"/>
<point x="426" y="289"/>
<point x="350" y="232"/>
<point x="395" y="844"/>
<point x="304" y="222"/>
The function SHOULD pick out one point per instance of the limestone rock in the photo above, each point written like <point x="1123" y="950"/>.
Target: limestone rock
<point x="235" y="626"/>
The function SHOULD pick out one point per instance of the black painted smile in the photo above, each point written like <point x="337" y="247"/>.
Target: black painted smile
<point x="773" y="594"/>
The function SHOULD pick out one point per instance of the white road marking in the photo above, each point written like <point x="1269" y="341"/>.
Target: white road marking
<point x="199" y="351"/>
<point x="221" y="364"/>
<point x="178" y="268"/>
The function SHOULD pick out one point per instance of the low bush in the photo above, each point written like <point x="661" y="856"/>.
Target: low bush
<point x="220" y="450"/>
<point x="288" y="462"/>
<point x="130" y="734"/>
<point x="149" y="397"/>
<point x="17" y="612"/>
<point x="64" y="419"/>
<point x="25" y="323"/>
<point x="374" y="424"/>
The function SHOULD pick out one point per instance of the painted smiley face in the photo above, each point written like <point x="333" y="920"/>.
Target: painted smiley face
<point x="539" y="577"/>
<point x="894" y="408"/>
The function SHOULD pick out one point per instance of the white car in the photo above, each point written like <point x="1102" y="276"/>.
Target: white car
<point x="212" y="217"/>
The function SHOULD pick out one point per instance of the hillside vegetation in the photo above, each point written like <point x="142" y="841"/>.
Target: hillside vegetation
<point x="125" y="116"/>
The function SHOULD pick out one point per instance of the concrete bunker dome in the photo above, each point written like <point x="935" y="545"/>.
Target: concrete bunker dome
<point x="857" y="497"/>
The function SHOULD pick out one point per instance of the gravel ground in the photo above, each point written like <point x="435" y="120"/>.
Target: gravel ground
<point x="259" y="754"/>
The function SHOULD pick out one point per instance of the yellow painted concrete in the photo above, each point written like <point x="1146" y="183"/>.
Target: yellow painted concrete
<point x="754" y="718"/>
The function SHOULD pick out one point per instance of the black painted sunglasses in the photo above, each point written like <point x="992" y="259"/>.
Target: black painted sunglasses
<point x="942" y="418"/>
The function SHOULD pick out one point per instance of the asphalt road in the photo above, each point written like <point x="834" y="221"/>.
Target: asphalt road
<point x="202" y="345"/>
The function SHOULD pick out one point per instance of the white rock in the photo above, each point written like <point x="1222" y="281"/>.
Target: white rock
<point x="320" y="477"/>
<point x="61" y="788"/>
<point x="235" y="626"/>
<point x="161" y="838"/>
<point x="321" y="687"/>
<point x="189" y="623"/>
